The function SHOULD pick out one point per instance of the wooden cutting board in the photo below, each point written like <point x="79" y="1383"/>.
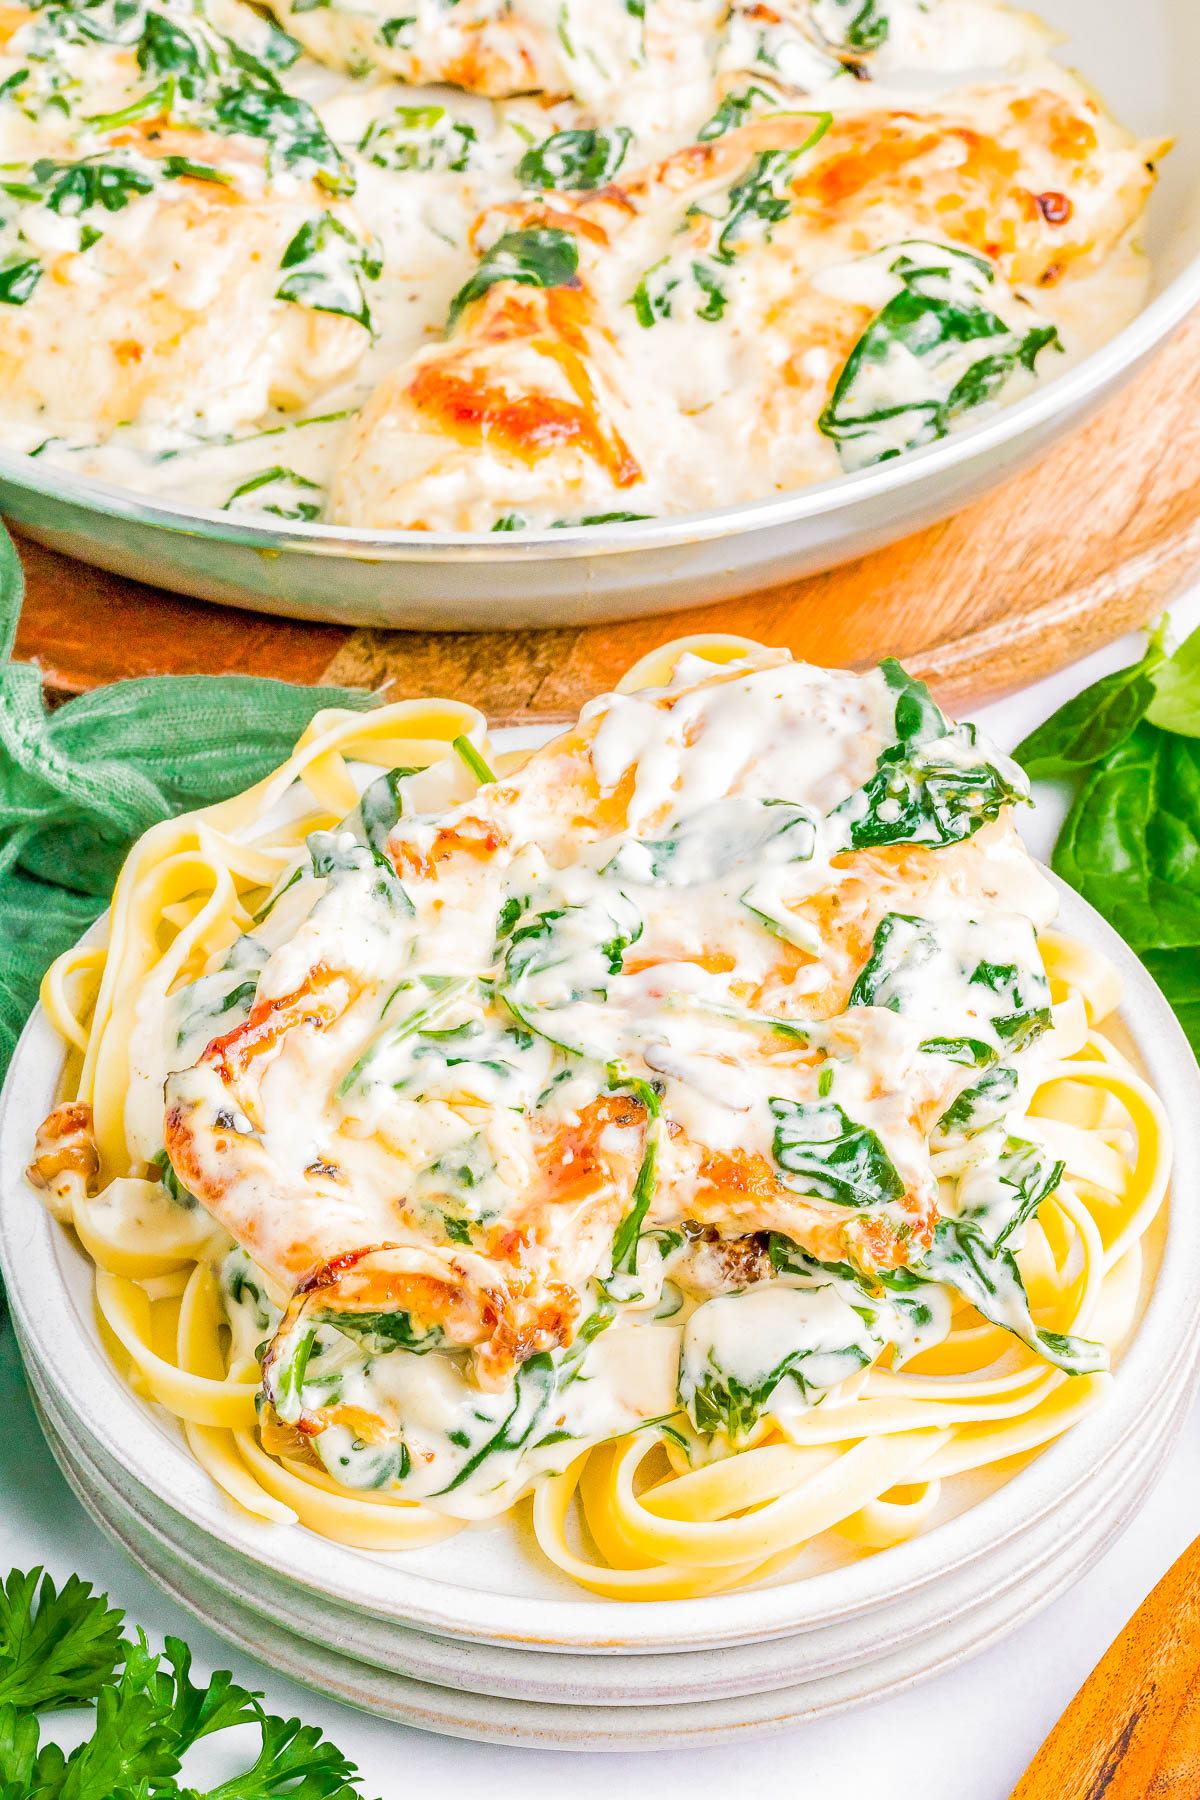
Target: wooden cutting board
<point x="1098" y="537"/>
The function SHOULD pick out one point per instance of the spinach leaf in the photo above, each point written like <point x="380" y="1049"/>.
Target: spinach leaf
<point x="710" y="843"/>
<point x="759" y="199"/>
<point x="336" y="856"/>
<point x="420" y="137"/>
<point x="654" y="296"/>
<point x="166" y="49"/>
<point x="608" y="518"/>
<point x="735" y="111"/>
<point x="998" y="1196"/>
<point x="70" y="188"/>
<point x="326" y="268"/>
<point x="988" y="1277"/>
<point x="1131" y="842"/>
<point x="292" y="129"/>
<point x="537" y="1381"/>
<point x="381" y="807"/>
<point x="1098" y="720"/>
<point x="279" y="491"/>
<point x="981" y="1105"/>
<point x="931" y="786"/>
<point x="444" y="991"/>
<point x="628" y="1232"/>
<point x="379" y="1333"/>
<point x="824" y="1153"/>
<point x="1176" y="703"/>
<point x="916" y="963"/>
<point x="728" y="1401"/>
<point x="19" y="275"/>
<point x="854" y="24"/>
<point x="933" y="352"/>
<point x="397" y="34"/>
<point x="573" y="160"/>
<point x="564" y="954"/>
<point x="541" y="256"/>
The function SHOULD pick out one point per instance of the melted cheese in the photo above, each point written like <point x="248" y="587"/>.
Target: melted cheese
<point x="623" y="266"/>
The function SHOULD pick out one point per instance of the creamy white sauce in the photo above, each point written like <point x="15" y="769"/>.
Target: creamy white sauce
<point x="748" y="1224"/>
<point x="180" y="344"/>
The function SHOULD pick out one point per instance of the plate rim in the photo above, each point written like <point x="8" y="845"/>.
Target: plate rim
<point x="30" y="1240"/>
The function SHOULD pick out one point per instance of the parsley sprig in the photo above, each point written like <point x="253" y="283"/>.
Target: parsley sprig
<point x="65" y="1648"/>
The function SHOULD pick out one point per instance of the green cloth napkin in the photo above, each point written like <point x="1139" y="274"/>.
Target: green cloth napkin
<point x="78" y="785"/>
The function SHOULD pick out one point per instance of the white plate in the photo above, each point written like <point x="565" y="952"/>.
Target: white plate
<point x="152" y="1530"/>
<point x="582" y="1725"/>
<point x="491" y="1587"/>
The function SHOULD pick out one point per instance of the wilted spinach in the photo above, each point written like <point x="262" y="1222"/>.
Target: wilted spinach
<point x="281" y="492"/>
<point x="541" y="256"/>
<point x="325" y="267"/>
<point x="931" y="786"/>
<point x="1006" y="1004"/>
<point x="572" y="160"/>
<point x="862" y="25"/>
<point x="988" y="1277"/>
<point x="734" y="111"/>
<point x="420" y="137"/>
<point x="935" y="339"/>
<point x="823" y="1152"/>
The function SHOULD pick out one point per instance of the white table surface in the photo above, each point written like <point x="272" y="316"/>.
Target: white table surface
<point x="965" y="1736"/>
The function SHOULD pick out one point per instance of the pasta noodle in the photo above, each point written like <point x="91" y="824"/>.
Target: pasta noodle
<point x="666" y="1506"/>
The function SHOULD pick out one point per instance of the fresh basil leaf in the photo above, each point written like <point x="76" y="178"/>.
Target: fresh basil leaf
<point x="397" y="34"/>
<point x="904" y="384"/>
<point x="326" y="269"/>
<point x="573" y="160"/>
<point x="70" y="188"/>
<point x="825" y="1153"/>
<point x="542" y="256"/>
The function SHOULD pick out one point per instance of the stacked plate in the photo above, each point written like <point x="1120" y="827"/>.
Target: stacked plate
<point x="477" y="1638"/>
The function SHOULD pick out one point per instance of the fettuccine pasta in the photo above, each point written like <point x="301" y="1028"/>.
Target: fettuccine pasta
<point x="694" y="1129"/>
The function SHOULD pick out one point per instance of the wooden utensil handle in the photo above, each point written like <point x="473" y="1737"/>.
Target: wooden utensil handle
<point x="1132" y="1732"/>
